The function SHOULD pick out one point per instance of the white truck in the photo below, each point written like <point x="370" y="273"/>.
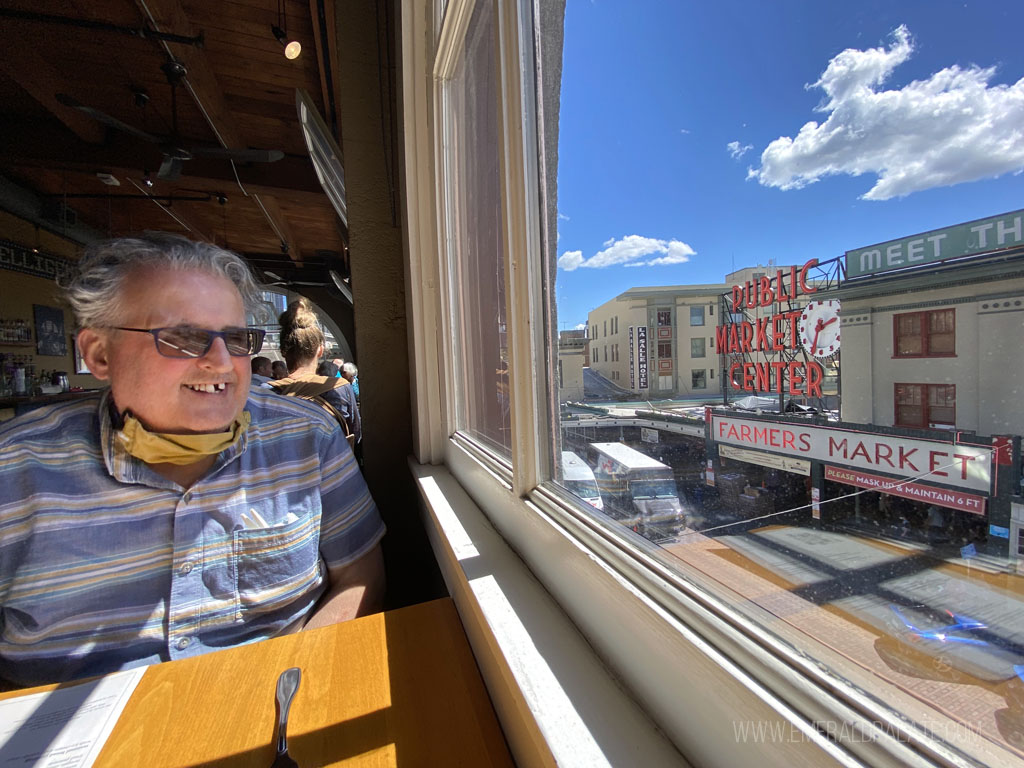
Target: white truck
<point x="639" y="491"/>
<point x="578" y="477"/>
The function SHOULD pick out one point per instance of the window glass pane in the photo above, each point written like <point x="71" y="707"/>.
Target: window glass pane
<point x="847" y="210"/>
<point x="474" y="221"/>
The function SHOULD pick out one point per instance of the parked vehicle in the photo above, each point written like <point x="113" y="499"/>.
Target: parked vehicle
<point x="639" y="491"/>
<point x="578" y="477"/>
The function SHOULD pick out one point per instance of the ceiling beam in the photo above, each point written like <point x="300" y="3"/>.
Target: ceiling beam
<point x="23" y="64"/>
<point x="177" y="215"/>
<point x="272" y="211"/>
<point x="38" y="144"/>
<point x="168" y="15"/>
<point x="326" y="43"/>
<point x="206" y="91"/>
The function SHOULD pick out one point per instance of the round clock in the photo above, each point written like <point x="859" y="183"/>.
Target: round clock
<point x="819" y="328"/>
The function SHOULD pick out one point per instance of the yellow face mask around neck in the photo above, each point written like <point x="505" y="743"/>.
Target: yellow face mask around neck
<point x="161" y="448"/>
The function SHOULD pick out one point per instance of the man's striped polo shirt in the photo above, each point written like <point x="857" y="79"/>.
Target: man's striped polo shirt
<point x="105" y="564"/>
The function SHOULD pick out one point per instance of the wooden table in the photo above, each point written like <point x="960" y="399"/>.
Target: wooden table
<point x="394" y="689"/>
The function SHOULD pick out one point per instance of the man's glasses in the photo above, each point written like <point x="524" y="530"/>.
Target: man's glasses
<point x="186" y="341"/>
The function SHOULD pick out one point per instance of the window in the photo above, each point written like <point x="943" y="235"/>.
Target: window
<point x="664" y="350"/>
<point x="783" y="577"/>
<point x="476" y="248"/>
<point x="925" y="334"/>
<point x="925" y="405"/>
<point x="697" y="347"/>
<point x="606" y="328"/>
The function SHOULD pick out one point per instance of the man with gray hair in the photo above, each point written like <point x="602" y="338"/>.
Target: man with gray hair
<point x="178" y="511"/>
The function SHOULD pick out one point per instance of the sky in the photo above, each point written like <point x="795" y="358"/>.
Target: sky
<point x="697" y="138"/>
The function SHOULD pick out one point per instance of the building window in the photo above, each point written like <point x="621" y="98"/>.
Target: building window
<point x="664" y="350"/>
<point x="605" y="328"/>
<point x="696" y="315"/>
<point x="925" y="334"/>
<point x="664" y="382"/>
<point x="698" y="379"/>
<point x="697" y="347"/>
<point x="606" y="354"/>
<point x="925" y="405"/>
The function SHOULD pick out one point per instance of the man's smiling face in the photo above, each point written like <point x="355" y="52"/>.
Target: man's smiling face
<point x="174" y="395"/>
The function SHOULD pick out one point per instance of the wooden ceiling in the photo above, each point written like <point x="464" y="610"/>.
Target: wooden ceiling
<point x="238" y="92"/>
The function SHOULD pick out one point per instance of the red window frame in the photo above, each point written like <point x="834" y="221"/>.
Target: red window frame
<point x="918" y="334"/>
<point x="921" y="405"/>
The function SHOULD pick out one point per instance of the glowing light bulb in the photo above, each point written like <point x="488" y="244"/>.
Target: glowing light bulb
<point x="293" y="49"/>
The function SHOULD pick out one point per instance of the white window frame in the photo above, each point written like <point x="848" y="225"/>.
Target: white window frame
<point x="693" y="661"/>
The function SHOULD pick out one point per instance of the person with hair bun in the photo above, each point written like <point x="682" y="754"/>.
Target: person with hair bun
<point x="302" y="344"/>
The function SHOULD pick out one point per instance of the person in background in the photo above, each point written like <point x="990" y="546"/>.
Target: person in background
<point x="351" y="374"/>
<point x="177" y="511"/>
<point x="339" y="363"/>
<point x="327" y="369"/>
<point x="302" y="344"/>
<point x="262" y="373"/>
<point x="278" y="370"/>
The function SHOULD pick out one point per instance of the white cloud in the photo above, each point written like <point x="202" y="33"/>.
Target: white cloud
<point x="683" y="131"/>
<point x="630" y="251"/>
<point x="570" y="260"/>
<point x="948" y="129"/>
<point x="736" y="151"/>
<point x="580" y="327"/>
<point x="562" y="217"/>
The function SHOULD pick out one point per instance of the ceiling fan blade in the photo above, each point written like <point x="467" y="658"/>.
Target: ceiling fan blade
<point x="170" y="169"/>
<point x="241" y="155"/>
<point x="103" y="117"/>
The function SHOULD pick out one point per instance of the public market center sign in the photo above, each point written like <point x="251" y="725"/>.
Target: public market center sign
<point x="974" y="237"/>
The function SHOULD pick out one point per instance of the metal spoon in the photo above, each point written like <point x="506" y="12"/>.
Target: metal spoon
<point x="287" y="685"/>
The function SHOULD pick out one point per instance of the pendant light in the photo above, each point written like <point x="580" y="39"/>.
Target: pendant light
<point x="292" y="47"/>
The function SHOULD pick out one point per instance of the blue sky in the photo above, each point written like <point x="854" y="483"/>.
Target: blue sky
<point x="684" y="149"/>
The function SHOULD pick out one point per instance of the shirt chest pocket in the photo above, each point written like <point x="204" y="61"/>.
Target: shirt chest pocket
<point x="275" y="566"/>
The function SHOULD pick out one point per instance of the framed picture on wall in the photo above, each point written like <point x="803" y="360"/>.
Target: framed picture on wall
<point x="50" y="338"/>
<point x="80" y="366"/>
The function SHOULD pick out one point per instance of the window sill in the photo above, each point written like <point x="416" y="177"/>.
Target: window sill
<point x="556" y="701"/>
<point x="549" y="609"/>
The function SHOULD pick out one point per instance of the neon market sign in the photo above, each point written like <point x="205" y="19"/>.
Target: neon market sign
<point x="815" y="328"/>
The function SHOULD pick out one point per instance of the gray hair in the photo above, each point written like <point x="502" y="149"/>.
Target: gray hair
<point x="94" y="290"/>
<point x="349" y="368"/>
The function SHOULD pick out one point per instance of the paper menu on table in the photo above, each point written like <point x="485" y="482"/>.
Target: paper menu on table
<point x="66" y="727"/>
